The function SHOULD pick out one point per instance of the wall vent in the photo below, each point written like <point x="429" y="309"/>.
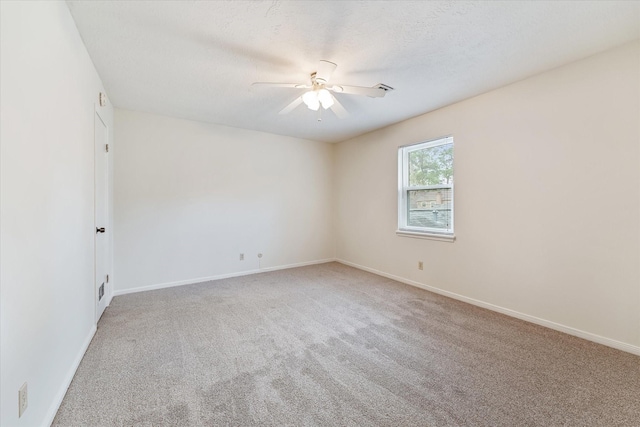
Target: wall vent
<point x="384" y="87"/>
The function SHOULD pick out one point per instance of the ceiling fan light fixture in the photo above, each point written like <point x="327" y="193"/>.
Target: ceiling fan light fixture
<point x="325" y="98"/>
<point x="311" y="100"/>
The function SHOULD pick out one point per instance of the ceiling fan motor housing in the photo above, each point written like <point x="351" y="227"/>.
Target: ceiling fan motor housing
<point x="317" y="81"/>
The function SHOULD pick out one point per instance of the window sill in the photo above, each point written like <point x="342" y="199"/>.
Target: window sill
<point x="425" y="235"/>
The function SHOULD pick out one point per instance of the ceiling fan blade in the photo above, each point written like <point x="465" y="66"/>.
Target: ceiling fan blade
<point x="338" y="109"/>
<point x="292" y="106"/>
<point x="373" y="92"/>
<point x="289" y="85"/>
<point x="324" y="71"/>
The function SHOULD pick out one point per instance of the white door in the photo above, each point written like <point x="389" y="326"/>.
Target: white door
<point x="102" y="215"/>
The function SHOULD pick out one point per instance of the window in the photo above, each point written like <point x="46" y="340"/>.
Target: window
<point x="425" y="189"/>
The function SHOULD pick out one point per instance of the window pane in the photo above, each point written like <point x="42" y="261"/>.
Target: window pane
<point x="431" y="166"/>
<point x="429" y="208"/>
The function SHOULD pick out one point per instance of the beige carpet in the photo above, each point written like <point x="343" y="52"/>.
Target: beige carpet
<point x="330" y="345"/>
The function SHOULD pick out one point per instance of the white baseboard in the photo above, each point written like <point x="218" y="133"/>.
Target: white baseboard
<point x="217" y="277"/>
<point x="53" y="409"/>
<point x="526" y="317"/>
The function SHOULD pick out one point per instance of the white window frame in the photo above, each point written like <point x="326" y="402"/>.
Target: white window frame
<point x="404" y="188"/>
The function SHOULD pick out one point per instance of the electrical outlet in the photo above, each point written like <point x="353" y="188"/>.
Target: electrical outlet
<point x="22" y="400"/>
<point x="241" y="257"/>
<point x="420" y="265"/>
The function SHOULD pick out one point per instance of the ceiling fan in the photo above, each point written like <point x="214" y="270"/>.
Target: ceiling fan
<point x="320" y="92"/>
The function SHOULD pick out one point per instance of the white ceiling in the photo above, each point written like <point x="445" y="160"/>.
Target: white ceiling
<point x="197" y="59"/>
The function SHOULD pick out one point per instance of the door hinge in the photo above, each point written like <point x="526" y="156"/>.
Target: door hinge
<point x="106" y="147"/>
<point x="107" y="278"/>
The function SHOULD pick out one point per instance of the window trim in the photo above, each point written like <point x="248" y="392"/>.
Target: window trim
<point x="405" y="230"/>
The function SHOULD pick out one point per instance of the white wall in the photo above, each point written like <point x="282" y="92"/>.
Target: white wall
<point x="49" y="87"/>
<point x="190" y="197"/>
<point x="547" y="199"/>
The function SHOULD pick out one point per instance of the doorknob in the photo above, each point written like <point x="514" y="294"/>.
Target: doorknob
<point x="100" y="230"/>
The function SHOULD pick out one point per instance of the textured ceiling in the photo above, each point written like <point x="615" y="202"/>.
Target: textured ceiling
<point x="197" y="59"/>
